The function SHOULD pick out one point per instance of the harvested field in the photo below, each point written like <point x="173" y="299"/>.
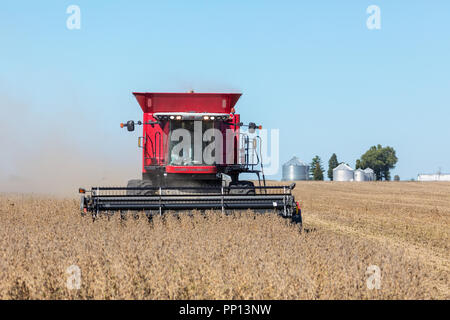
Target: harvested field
<point x="400" y="227"/>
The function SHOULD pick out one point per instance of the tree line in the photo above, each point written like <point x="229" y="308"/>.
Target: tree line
<point x="380" y="159"/>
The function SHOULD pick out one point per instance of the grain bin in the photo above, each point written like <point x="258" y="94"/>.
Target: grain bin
<point x="295" y="170"/>
<point x="343" y="173"/>
<point x="360" y="175"/>
<point x="370" y="174"/>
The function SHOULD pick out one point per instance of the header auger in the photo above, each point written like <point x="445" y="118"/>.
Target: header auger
<point x="193" y="152"/>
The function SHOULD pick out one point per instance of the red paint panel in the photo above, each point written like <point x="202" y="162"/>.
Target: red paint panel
<point x="155" y="146"/>
<point x="191" y="169"/>
<point x="187" y="102"/>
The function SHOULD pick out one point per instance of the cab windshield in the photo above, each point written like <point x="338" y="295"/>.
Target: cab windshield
<point x="182" y="141"/>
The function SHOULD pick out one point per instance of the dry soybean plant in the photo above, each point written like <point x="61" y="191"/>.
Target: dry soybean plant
<point x="206" y="256"/>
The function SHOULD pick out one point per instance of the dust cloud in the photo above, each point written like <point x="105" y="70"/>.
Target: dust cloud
<point x="56" y="156"/>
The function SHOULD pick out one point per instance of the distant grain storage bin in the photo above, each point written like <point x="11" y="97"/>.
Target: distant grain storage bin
<point x="434" y="177"/>
<point x="343" y="173"/>
<point x="295" y="170"/>
<point x="359" y="175"/>
<point x="370" y="174"/>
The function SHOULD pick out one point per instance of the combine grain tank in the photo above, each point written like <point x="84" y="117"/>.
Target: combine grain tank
<point x="295" y="170"/>
<point x="343" y="173"/>
<point x="360" y="175"/>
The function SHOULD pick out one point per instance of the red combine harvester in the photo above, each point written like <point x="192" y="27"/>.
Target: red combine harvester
<point x="193" y="151"/>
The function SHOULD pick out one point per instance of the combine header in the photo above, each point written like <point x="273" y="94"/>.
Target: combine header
<point x="193" y="152"/>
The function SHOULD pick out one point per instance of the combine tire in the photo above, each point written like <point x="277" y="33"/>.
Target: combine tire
<point x="136" y="183"/>
<point x="248" y="188"/>
<point x="133" y="184"/>
<point x="146" y="184"/>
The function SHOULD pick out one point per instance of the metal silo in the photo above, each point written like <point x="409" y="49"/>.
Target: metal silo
<point x="370" y="174"/>
<point x="343" y="173"/>
<point x="295" y="170"/>
<point x="360" y="175"/>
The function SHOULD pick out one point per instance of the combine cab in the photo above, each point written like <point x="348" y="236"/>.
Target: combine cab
<point x="193" y="152"/>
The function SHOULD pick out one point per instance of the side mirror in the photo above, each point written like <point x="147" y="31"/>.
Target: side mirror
<point x="130" y="125"/>
<point x="251" y="127"/>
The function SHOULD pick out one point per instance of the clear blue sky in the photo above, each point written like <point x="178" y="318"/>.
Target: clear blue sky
<point x="310" y="68"/>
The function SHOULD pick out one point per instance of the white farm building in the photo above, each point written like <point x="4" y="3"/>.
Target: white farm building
<point x="433" y="177"/>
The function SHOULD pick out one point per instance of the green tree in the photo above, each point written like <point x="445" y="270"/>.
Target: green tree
<point x="316" y="170"/>
<point x="332" y="163"/>
<point x="396" y="178"/>
<point x="380" y="159"/>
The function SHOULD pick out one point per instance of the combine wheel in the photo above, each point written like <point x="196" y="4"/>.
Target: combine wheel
<point x="248" y="188"/>
<point x="146" y="184"/>
<point x="135" y="183"/>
